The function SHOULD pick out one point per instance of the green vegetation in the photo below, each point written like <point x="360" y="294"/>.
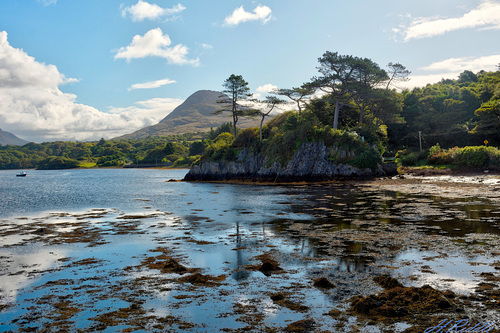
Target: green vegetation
<point x="470" y="157"/>
<point x="284" y="134"/>
<point x="171" y="151"/>
<point x="360" y="115"/>
<point x="57" y="162"/>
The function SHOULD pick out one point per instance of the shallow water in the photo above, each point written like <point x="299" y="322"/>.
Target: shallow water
<point x="74" y="247"/>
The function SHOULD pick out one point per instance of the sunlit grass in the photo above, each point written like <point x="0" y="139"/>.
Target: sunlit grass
<point x="86" y="165"/>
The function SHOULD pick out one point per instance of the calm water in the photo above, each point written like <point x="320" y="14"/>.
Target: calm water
<point x="129" y="190"/>
<point x="80" y="189"/>
<point x="218" y="228"/>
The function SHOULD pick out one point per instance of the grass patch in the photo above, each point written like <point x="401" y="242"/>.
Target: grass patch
<point x="87" y="165"/>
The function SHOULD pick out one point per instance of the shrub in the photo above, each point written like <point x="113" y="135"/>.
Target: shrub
<point x="406" y="158"/>
<point x="474" y="157"/>
<point x="291" y="122"/>
<point x="224" y="128"/>
<point x="368" y="158"/>
<point x="247" y="138"/>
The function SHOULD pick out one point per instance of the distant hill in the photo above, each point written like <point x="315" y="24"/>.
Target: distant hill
<point x="7" y="138"/>
<point x="194" y="115"/>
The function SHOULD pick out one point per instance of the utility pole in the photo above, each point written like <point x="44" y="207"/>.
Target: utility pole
<point x="420" y="139"/>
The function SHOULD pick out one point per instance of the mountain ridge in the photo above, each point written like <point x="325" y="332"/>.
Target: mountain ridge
<point x="194" y="115"/>
<point x="7" y="138"/>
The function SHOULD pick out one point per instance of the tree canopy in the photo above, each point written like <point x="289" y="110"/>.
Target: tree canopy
<point x="235" y="90"/>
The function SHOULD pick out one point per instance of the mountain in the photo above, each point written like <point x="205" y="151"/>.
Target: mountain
<point x="7" y="138"/>
<point x="194" y="115"/>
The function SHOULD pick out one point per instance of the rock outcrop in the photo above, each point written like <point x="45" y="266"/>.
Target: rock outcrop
<point x="311" y="162"/>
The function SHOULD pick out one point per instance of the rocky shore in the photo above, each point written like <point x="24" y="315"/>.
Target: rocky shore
<point x="311" y="162"/>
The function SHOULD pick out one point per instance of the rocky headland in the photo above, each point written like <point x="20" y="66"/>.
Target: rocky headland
<point x="311" y="162"/>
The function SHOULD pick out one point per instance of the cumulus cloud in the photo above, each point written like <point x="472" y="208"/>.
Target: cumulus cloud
<point x="33" y="107"/>
<point x="473" y="64"/>
<point x="267" y="88"/>
<point x="156" y="44"/>
<point x="451" y="69"/>
<point x="155" y="108"/>
<point x="264" y="90"/>
<point x="486" y="15"/>
<point x="151" y="85"/>
<point x="143" y="10"/>
<point x="239" y="15"/>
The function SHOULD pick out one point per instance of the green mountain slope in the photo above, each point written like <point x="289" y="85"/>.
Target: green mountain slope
<point x="7" y="138"/>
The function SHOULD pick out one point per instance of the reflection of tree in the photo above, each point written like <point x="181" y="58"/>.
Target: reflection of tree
<point x="241" y="273"/>
<point x="353" y="264"/>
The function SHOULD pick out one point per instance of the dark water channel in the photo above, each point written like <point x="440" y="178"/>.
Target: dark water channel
<point x="75" y="248"/>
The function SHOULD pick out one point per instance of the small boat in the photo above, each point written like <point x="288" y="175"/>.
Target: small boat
<point x="22" y="174"/>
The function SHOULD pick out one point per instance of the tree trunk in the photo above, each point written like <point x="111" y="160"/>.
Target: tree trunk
<point x="261" y="122"/>
<point x="336" y="116"/>
<point x="235" y="120"/>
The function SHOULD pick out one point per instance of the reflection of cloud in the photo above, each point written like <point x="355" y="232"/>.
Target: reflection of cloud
<point x="456" y="271"/>
<point x="29" y="263"/>
<point x="239" y="15"/>
<point x="156" y="44"/>
<point x="144" y="10"/>
<point x="33" y="107"/>
<point x="487" y="15"/>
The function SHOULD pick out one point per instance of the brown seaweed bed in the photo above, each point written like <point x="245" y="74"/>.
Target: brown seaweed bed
<point x="390" y="255"/>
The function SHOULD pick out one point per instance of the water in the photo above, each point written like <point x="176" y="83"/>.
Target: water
<point x="76" y="245"/>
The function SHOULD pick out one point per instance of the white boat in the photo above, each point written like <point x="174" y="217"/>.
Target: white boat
<point x="22" y="174"/>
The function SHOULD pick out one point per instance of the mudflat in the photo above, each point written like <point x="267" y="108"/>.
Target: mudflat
<point x="405" y="254"/>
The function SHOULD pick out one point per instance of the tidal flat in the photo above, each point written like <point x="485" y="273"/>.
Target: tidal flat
<point x="388" y="255"/>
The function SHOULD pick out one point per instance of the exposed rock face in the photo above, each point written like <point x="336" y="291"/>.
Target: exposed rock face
<point x="310" y="163"/>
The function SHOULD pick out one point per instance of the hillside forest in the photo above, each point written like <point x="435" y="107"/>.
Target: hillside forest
<point x="351" y="102"/>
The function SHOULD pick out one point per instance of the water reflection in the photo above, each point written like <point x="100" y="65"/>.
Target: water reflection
<point x="336" y="207"/>
<point x="220" y="229"/>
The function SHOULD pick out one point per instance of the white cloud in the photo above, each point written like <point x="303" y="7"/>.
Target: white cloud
<point x="487" y="15"/>
<point x="151" y="85"/>
<point x="47" y="2"/>
<point x="156" y="108"/>
<point x="144" y="10"/>
<point x="451" y="69"/>
<point x="155" y="44"/>
<point x="474" y="64"/>
<point x="267" y="88"/>
<point x="33" y="107"/>
<point x="264" y="90"/>
<point x="239" y="15"/>
<point x="207" y="46"/>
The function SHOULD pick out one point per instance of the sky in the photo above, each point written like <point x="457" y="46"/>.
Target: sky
<point x="90" y="69"/>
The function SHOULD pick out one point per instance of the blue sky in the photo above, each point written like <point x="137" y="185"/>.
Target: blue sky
<point x="86" y="69"/>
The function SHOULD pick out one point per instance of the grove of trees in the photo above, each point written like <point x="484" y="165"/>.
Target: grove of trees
<point x="350" y="97"/>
